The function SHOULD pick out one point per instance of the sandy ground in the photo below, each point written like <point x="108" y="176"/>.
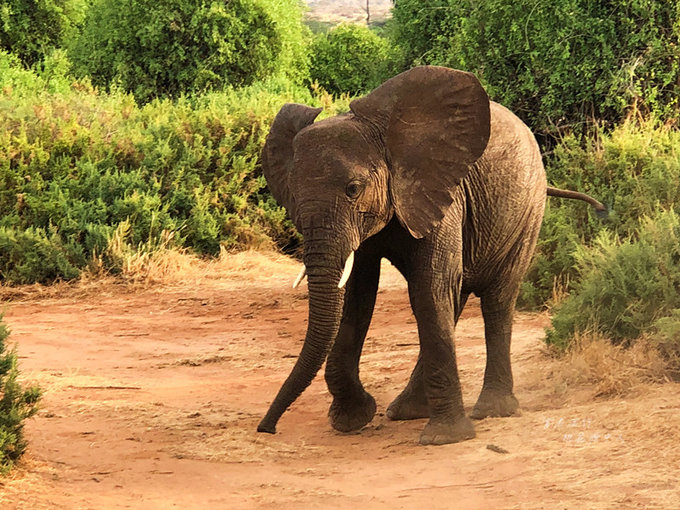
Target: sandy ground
<point x="348" y="11"/>
<point x="152" y="397"/>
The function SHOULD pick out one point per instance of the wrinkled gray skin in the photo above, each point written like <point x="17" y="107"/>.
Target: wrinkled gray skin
<point x="450" y="188"/>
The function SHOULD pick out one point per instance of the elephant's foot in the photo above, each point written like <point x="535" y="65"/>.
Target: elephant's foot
<point x="347" y="416"/>
<point x="444" y="433"/>
<point x="493" y="404"/>
<point x="408" y="406"/>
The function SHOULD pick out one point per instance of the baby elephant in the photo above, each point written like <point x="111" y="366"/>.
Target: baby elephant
<point x="447" y="185"/>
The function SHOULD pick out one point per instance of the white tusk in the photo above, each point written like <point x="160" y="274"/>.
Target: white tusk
<point x="347" y="271"/>
<point x="300" y="277"/>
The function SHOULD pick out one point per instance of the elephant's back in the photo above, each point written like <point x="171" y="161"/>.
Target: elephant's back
<point x="505" y="198"/>
<point x="511" y="166"/>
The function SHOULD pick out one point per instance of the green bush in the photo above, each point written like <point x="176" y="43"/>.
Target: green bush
<point x="77" y="165"/>
<point x="631" y="170"/>
<point x="33" y="255"/>
<point x="627" y="288"/>
<point x="31" y="29"/>
<point x="556" y="64"/>
<point x="171" y="47"/>
<point x="52" y="75"/>
<point x="348" y="59"/>
<point x="293" y="61"/>
<point x="16" y="404"/>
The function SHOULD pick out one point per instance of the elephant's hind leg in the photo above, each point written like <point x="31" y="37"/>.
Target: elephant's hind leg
<point x="411" y="403"/>
<point x="498" y="306"/>
<point x="496" y="397"/>
<point x="353" y="407"/>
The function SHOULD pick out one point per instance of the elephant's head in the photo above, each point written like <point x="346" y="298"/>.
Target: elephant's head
<point x="401" y="150"/>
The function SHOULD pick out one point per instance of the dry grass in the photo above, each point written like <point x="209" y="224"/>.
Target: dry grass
<point x="669" y="349"/>
<point x="162" y="266"/>
<point x="172" y="267"/>
<point x="560" y="291"/>
<point x="167" y="267"/>
<point x="255" y="265"/>
<point x="146" y="264"/>
<point x="611" y="370"/>
<point x="28" y="477"/>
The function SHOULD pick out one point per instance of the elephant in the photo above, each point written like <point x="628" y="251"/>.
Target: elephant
<point x="447" y="185"/>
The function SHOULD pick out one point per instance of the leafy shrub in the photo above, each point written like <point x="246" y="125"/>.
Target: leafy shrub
<point x="157" y="49"/>
<point x="631" y="170"/>
<point x="13" y="75"/>
<point x="348" y="59"/>
<point x="555" y="64"/>
<point x="16" y="404"/>
<point x="76" y="166"/>
<point x="51" y="75"/>
<point x="627" y="288"/>
<point x="319" y="27"/>
<point x="288" y="16"/>
<point x="33" y="255"/>
<point x="665" y="337"/>
<point x="31" y="29"/>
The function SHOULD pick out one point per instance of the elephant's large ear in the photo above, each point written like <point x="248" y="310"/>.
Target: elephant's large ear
<point x="277" y="154"/>
<point x="435" y="122"/>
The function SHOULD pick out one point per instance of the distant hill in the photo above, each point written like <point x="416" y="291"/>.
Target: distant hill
<point x="348" y="10"/>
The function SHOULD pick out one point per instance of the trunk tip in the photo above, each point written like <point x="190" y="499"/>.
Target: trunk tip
<point x="267" y="428"/>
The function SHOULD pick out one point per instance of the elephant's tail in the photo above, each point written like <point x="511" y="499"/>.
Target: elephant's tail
<point x="599" y="207"/>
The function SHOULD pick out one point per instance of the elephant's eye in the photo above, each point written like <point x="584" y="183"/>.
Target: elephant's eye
<point x="354" y="189"/>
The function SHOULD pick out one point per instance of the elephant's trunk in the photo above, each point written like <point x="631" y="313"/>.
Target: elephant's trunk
<point x="325" y="312"/>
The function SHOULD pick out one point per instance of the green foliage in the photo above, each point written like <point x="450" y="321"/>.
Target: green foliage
<point x="293" y="61"/>
<point x="13" y="75"/>
<point x="16" y="404"/>
<point x="631" y="170"/>
<point x="319" y="27"/>
<point x="555" y="64"/>
<point x="33" y="255"/>
<point x="50" y="76"/>
<point x="171" y="47"/>
<point x="31" y="29"/>
<point x="665" y="336"/>
<point x="627" y="288"/>
<point x="348" y="59"/>
<point x="81" y="170"/>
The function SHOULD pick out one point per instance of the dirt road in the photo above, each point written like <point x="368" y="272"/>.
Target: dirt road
<point x="152" y="397"/>
<point x="348" y="11"/>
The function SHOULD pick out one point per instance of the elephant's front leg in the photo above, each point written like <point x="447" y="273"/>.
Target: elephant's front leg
<point x="353" y="407"/>
<point x="411" y="403"/>
<point x="433" y="300"/>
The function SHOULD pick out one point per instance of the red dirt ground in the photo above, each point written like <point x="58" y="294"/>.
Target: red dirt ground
<point x="152" y="397"/>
